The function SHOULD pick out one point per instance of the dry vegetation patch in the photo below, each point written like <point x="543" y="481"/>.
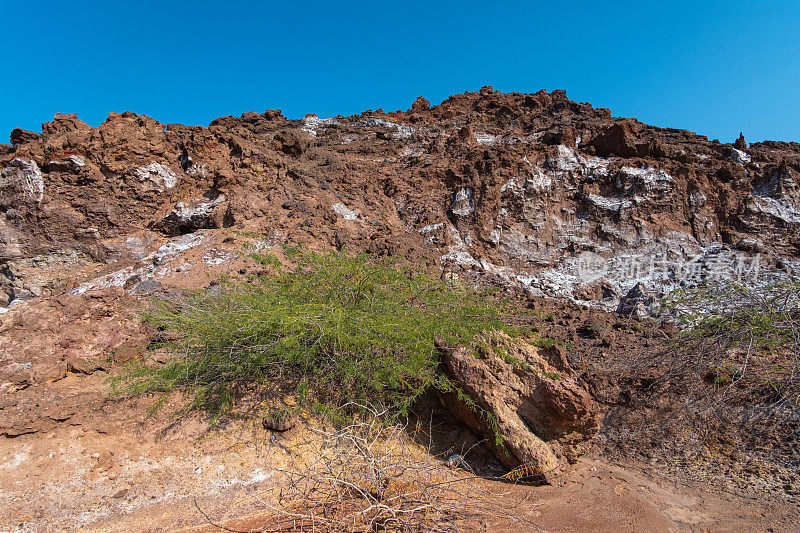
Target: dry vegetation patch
<point x="372" y="475"/>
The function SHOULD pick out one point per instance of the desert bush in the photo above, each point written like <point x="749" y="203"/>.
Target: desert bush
<point x="336" y="328"/>
<point x="743" y="340"/>
<point x="718" y="398"/>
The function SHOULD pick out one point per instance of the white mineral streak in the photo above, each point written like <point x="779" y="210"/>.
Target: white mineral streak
<point x="155" y="266"/>
<point x="312" y="124"/>
<point x="402" y="131"/>
<point x="346" y="213"/>
<point x="739" y="157"/>
<point x="159" y="175"/>
<point x="23" y="175"/>
<point x="486" y="138"/>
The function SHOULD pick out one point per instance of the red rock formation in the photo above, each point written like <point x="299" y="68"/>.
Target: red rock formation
<point x="550" y="179"/>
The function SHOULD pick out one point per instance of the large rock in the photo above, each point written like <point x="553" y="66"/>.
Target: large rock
<point x="21" y="182"/>
<point x="198" y="214"/>
<point x="740" y="143"/>
<point x="637" y="301"/>
<point x="540" y="408"/>
<point x="421" y="104"/>
<point x="20" y="136"/>
<point x="620" y="139"/>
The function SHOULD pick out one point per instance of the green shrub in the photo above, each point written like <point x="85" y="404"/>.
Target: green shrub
<point x="335" y="330"/>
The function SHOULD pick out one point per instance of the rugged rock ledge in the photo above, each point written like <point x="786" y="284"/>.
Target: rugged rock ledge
<point x="531" y="190"/>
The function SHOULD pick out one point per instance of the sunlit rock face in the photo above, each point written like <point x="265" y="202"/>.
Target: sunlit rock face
<point x="527" y="190"/>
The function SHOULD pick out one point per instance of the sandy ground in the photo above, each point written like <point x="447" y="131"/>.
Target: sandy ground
<point x="154" y="478"/>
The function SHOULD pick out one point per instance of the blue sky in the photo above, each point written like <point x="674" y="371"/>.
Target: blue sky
<point x="712" y="67"/>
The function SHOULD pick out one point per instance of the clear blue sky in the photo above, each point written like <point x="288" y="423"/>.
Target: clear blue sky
<point x="709" y="66"/>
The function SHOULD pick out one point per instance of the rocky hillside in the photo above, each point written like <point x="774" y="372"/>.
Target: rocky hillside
<point x="586" y="219"/>
<point x="530" y="190"/>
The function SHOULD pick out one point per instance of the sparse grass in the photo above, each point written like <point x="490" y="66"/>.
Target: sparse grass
<point x="483" y="348"/>
<point x="337" y="329"/>
<point x="249" y="234"/>
<point x="550" y="317"/>
<point x="545" y="343"/>
<point x="265" y="259"/>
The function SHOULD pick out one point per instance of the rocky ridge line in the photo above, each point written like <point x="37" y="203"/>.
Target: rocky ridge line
<point x="529" y="190"/>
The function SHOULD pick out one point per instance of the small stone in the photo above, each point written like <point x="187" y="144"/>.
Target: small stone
<point x="638" y="301"/>
<point x="454" y="461"/>
<point x="749" y="245"/>
<point x="463" y="202"/>
<point x="280" y="421"/>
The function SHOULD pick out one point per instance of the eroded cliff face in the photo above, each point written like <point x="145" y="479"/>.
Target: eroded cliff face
<point x="530" y="190"/>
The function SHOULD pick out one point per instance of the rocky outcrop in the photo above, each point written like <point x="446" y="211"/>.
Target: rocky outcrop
<point x="510" y="188"/>
<point x="527" y="395"/>
<point x="620" y="139"/>
<point x="421" y="104"/>
<point x="740" y="143"/>
<point x="201" y="213"/>
<point x="637" y="301"/>
<point x="21" y="182"/>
